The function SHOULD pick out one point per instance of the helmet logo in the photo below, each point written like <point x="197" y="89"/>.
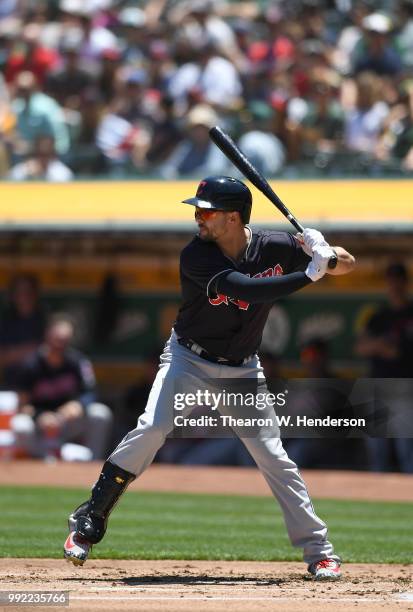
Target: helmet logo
<point x="201" y="187"/>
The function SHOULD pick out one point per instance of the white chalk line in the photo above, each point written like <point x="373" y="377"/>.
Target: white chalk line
<point x="274" y="599"/>
<point x="173" y="587"/>
<point x="404" y="597"/>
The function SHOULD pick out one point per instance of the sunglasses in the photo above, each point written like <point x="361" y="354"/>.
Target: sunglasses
<point x="204" y="213"/>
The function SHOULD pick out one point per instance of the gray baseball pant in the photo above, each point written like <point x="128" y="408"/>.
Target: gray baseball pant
<point x="138" y="448"/>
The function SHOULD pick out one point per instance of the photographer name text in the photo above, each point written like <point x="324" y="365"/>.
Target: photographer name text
<point x="281" y="421"/>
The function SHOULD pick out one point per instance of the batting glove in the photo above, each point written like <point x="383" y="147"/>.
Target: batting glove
<point x="311" y="238"/>
<point x="319" y="263"/>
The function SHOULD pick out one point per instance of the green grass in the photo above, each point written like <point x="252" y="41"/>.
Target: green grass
<point x="182" y="526"/>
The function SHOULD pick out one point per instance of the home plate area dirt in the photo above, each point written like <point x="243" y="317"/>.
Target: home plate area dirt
<point x="173" y="586"/>
<point x="205" y="586"/>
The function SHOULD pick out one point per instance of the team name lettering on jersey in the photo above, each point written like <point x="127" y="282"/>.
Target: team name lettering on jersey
<point x="242" y="305"/>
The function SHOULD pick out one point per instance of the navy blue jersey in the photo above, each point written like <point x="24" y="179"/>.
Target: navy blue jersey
<point x="223" y="326"/>
<point x="50" y="387"/>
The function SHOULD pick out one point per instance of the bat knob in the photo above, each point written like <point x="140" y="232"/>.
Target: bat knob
<point x="332" y="262"/>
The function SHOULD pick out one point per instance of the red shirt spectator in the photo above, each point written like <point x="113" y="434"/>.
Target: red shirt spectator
<point x="29" y="54"/>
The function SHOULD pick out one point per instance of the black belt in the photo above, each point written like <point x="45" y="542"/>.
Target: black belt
<point x="195" y="348"/>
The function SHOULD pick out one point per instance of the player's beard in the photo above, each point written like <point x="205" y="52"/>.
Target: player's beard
<point x="206" y="238"/>
<point x="206" y="235"/>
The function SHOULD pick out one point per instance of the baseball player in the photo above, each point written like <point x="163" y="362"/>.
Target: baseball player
<point x="231" y="274"/>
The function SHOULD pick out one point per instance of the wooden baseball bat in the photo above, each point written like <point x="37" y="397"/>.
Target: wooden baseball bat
<point x="237" y="157"/>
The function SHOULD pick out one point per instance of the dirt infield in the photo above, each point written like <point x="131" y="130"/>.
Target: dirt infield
<point x="225" y="480"/>
<point x="221" y="586"/>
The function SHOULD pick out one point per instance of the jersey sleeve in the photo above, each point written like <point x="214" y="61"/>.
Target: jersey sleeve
<point x="203" y="268"/>
<point x="261" y="290"/>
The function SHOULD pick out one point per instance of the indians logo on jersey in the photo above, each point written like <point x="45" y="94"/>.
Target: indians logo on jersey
<point x="223" y="299"/>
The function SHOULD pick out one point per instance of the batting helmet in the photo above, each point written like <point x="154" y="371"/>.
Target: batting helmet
<point x="223" y="193"/>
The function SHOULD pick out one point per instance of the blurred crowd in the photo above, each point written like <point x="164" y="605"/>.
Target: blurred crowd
<point x="50" y="390"/>
<point x="118" y="88"/>
<point x="48" y="386"/>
